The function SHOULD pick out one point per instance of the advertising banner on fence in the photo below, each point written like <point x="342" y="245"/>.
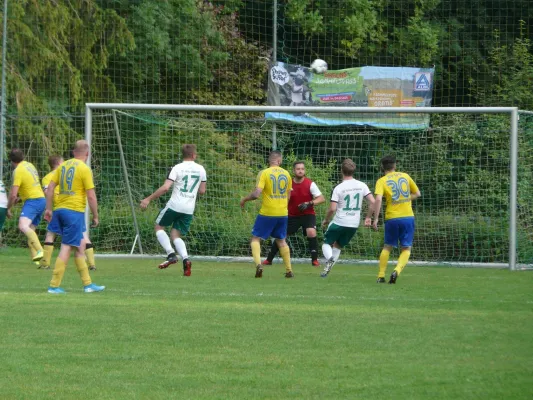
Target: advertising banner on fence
<point x="294" y="85"/>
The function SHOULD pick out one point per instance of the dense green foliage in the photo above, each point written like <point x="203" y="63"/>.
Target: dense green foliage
<point x="482" y="41"/>
<point x="62" y="54"/>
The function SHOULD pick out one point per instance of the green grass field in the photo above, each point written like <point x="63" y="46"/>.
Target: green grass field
<point x="439" y="333"/>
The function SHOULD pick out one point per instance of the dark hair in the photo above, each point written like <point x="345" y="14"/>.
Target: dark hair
<point x="16" y="155"/>
<point x="294" y="164"/>
<point x="188" y="150"/>
<point x="388" y="163"/>
<point x="54" y="160"/>
<point x="348" y="167"/>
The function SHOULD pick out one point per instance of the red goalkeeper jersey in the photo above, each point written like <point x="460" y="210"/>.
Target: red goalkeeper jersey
<point x="302" y="192"/>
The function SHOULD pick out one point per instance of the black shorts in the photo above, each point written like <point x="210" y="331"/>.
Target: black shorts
<point x="301" y="221"/>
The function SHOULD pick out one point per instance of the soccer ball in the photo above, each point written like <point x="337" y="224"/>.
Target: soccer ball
<point x="319" y="66"/>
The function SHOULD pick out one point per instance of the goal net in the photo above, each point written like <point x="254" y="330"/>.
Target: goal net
<point x="461" y="163"/>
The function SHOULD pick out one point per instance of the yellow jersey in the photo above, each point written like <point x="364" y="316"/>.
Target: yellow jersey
<point x="74" y="178"/>
<point x="397" y="187"/>
<point x="276" y="184"/>
<point x="46" y="181"/>
<point x="26" y="178"/>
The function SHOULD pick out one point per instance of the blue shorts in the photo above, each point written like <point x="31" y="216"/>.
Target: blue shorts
<point x="33" y="209"/>
<point x="53" y="225"/>
<point x="71" y="226"/>
<point x="400" y="230"/>
<point x="266" y="227"/>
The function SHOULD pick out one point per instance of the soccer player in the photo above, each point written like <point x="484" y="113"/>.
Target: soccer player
<point x="189" y="180"/>
<point x="346" y="203"/>
<point x="3" y="204"/>
<point x="399" y="191"/>
<point x="304" y="196"/>
<point x="54" y="162"/>
<point x="275" y="183"/>
<point x="76" y="189"/>
<point x="26" y="185"/>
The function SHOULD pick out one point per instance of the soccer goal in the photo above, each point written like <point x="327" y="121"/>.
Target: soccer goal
<point x="475" y="178"/>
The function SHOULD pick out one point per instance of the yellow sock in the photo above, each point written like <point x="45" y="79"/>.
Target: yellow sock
<point x="256" y="252"/>
<point x="383" y="260"/>
<point x="59" y="271"/>
<point x="285" y="253"/>
<point x="47" y="254"/>
<point x="89" y="253"/>
<point x="83" y="270"/>
<point x="402" y="261"/>
<point x="33" y="252"/>
<point x="33" y="240"/>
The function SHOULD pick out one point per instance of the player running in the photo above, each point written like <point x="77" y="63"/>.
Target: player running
<point x="304" y="196"/>
<point x="189" y="180"/>
<point x="399" y="190"/>
<point x="76" y="189"/>
<point x="346" y="203"/>
<point x="27" y="186"/>
<point x="52" y="229"/>
<point x="275" y="183"/>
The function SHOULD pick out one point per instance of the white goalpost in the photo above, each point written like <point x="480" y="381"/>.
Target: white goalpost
<point x="466" y="162"/>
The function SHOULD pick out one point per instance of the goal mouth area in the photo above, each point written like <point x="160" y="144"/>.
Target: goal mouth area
<point x="454" y="226"/>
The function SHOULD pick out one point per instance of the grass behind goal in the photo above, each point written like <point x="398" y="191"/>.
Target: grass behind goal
<point x="440" y="333"/>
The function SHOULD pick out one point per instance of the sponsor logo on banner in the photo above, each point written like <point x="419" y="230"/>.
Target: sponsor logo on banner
<point x="422" y="81"/>
<point x="279" y="75"/>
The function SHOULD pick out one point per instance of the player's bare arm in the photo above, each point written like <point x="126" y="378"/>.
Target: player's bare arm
<point x="202" y="188"/>
<point x="369" y="198"/>
<point x="49" y="195"/>
<point x="12" y="200"/>
<point x="415" y="196"/>
<point x="93" y="205"/>
<point x="251" y="197"/>
<point x="331" y="212"/>
<point x="160" y="192"/>
<point x="377" y="210"/>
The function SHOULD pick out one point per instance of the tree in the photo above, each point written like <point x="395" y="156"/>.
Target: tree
<point x="58" y="52"/>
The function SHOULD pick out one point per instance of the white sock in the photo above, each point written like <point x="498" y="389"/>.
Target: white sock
<point x="164" y="240"/>
<point x="326" y="250"/>
<point x="179" y="244"/>
<point x="336" y="253"/>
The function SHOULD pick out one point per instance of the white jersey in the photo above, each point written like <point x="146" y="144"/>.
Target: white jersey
<point x="3" y="195"/>
<point x="187" y="177"/>
<point x="349" y="197"/>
